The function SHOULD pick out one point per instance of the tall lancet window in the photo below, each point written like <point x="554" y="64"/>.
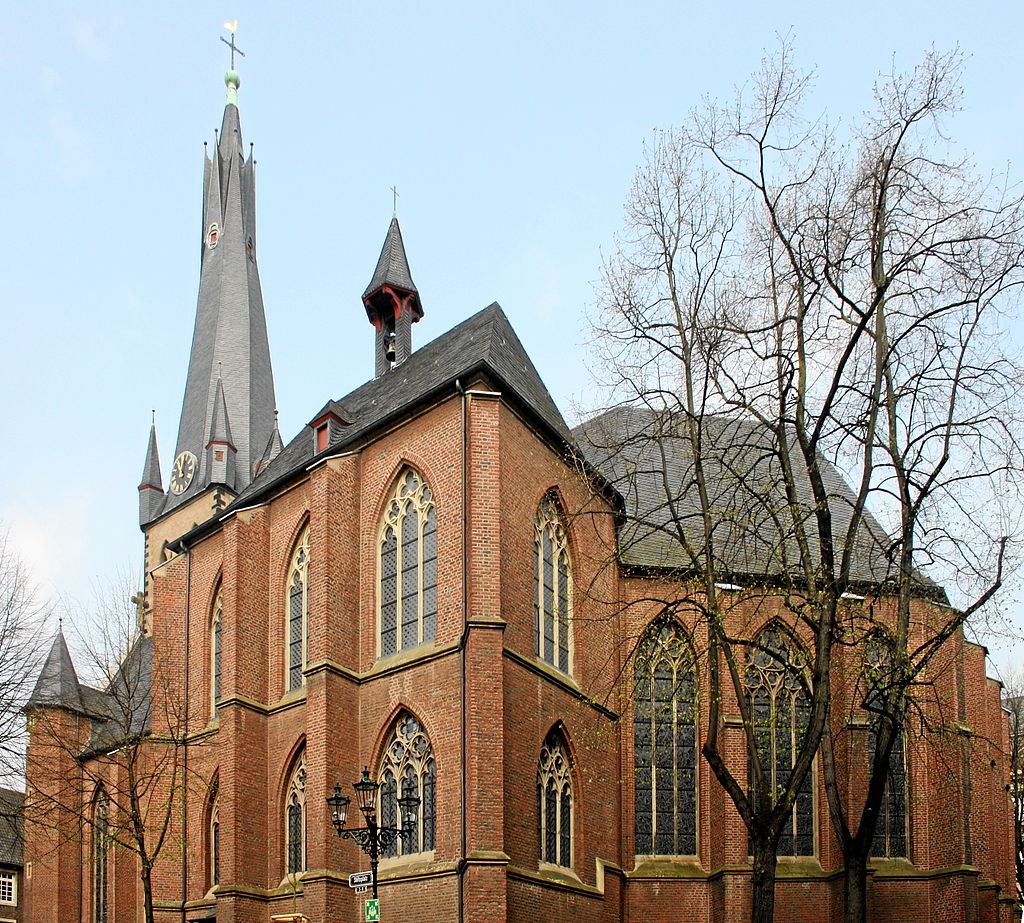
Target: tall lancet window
<point x="295" y="819"/>
<point x="213" y="839"/>
<point x="552" y="583"/>
<point x="297" y="628"/>
<point x="554" y="802"/>
<point x="100" y="855"/>
<point x="215" y="653"/>
<point x="891" y="827"/>
<point x="665" y="743"/>
<point x="781" y="712"/>
<point x="408" y="566"/>
<point x="408" y="768"/>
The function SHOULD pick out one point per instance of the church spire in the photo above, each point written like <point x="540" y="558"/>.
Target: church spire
<point x="151" y="490"/>
<point x="227" y="415"/>
<point x="392" y="302"/>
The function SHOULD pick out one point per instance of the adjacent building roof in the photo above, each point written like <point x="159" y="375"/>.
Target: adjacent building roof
<point x="11" y="827"/>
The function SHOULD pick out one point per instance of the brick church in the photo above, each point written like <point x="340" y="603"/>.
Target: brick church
<point x="429" y="581"/>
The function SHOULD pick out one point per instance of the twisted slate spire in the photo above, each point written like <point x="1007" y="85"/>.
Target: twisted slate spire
<point x="230" y="338"/>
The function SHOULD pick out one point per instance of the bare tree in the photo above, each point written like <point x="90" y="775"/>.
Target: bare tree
<point x="115" y="776"/>
<point x="1013" y="701"/>
<point x="21" y="622"/>
<point x="786" y="305"/>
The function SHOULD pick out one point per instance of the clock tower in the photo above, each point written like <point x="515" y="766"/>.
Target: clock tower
<point x="227" y="415"/>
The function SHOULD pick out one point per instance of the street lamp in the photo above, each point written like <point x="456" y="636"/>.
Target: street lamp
<point x="373" y="839"/>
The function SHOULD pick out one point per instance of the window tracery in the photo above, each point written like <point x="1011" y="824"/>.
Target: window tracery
<point x="408" y="767"/>
<point x="215" y="653"/>
<point x="552" y="583"/>
<point x="407" y="560"/>
<point x="295" y="819"/>
<point x="665" y="744"/>
<point x="891" y="826"/>
<point x="554" y="803"/>
<point x="781" y="712"/>
<point x="100" y="855"/>
<point x="213" y="841"/>
<point x="297" y="627"/>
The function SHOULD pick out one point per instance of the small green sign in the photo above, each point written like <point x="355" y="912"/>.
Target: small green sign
<point x="372" y="910"/>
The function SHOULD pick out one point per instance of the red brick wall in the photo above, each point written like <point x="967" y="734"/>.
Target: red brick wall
<point x="487" y="704"/>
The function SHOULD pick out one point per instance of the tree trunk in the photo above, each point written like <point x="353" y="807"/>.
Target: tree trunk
<point x="765" y="860"/>
<point x="147" y="893"/>
<point x="855" y="887"/>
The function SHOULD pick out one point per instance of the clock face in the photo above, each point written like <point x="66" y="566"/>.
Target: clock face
<point x="183" y="471"/>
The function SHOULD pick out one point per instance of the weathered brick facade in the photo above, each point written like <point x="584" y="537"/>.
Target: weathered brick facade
<point x="487" y="703"/>
<point x="469" y="415"/>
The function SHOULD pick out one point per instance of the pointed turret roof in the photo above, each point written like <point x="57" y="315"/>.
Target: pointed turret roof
<point x="392" y="265"/>
<point x="57" y="685"/>
<point x="230" y="338"/>
<point x="273" y="449"/>
<point x="220" y="429"/>
<point x="151" y="470"/>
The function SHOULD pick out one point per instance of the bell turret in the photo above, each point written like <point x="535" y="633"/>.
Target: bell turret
<point x="392" y="303"/>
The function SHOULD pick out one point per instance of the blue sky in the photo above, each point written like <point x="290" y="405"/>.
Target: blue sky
<point x="511" y="132"/>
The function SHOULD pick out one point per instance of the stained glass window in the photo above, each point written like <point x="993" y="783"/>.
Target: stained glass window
<point x="298" y="612"/>
<point x="781" y="712"/>
<point x="408" y="566"/>
<point x="891" y="827"/>
<point x="214" y="842"/>
<point x="665" y="744"/>
<point x="295" y="819"/>
<point x="408" y="768"/>
<point x="552" y="586"/>
<point x="100" y="855"/>
<point x="554" y="803"/>
<point x="215" y="654"/>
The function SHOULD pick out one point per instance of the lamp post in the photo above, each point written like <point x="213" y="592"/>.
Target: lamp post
<point x="373" y="839"/>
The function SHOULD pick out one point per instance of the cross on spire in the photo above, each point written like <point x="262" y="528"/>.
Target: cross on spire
<point x="394" y="201"/>
<point x="231" y="27"/>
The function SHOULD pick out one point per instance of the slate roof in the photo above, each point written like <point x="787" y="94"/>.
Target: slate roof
<point x="126" y="701"/>
<point x="484" y="342"/>
<point x="11" y="826"/>
<point x="57" y="684"/>
<point x="120" y="711"/>
<point x="392" y="264"/>
<point x="151" y="470"/>
<point x="646" y="458"/>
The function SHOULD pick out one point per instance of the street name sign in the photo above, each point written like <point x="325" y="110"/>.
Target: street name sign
<point x="359" y="878"/>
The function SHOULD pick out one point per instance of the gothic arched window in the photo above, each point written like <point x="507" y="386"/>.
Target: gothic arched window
<point x="665" y="744"/>
<point x="213" y="839"/>
<point x="552" y="583"/>
<point x="407" y="562"/>
<point x="297" y="630"/>
<point x="407" y="767"/>
<point x="100" y="855"/>
<point x="215" y="653"/>
<point x="295" y="819"/>
<point x="554" y="803"/>
<point x="891" y="827"/>
<point x="781" y="711"/>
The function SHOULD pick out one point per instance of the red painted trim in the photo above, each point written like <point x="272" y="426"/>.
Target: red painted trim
<point x="159" y="490"/>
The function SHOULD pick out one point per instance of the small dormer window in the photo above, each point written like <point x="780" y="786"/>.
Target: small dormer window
<point x="212" y="235"/>
<point x="323" y="433"/>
